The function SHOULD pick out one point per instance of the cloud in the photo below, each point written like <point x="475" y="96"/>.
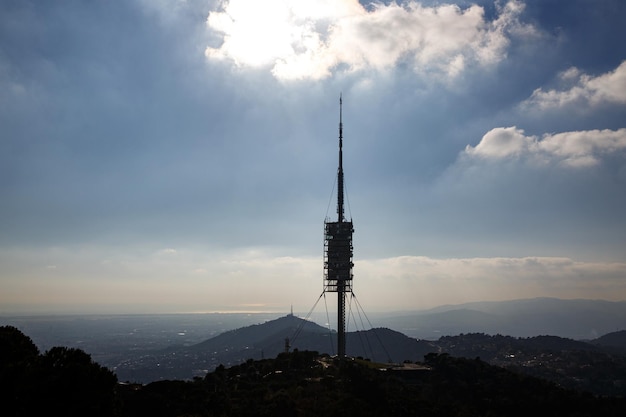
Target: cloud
<point x="311" y="40"/>
<point x="556" y="194"/>
<point x="608" y="88"/>
<point x="167" y="251"/>
<point x="572" y="149"/>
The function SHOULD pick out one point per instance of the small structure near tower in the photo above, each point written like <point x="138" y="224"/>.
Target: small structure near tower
<point x="338" y="252"/>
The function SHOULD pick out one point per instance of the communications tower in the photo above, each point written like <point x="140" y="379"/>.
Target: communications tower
<point x="338" y="252"/>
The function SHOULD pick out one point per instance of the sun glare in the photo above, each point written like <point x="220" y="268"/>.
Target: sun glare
<point x="255" y="33"/>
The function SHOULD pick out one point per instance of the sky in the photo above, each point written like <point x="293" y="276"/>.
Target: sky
<point x="181" y="156"/>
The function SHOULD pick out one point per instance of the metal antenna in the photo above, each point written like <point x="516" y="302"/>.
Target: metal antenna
<point x="340" y="217"/>
<point x="338" y="251"/>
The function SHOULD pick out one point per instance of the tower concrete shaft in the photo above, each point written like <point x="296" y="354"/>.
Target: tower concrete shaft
<point x="338" y="251"/>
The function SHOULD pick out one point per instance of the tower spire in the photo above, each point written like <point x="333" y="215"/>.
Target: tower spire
<point x="340" y="217"/>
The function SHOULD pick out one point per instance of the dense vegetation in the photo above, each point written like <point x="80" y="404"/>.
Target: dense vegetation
<point x="62" y="381"/>
<point x="66" y="382"/>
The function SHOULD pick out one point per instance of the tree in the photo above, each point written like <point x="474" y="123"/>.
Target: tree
<point x="69" y="383"/>
<point x="18" y="356"/>
<point x="62" y="381"/>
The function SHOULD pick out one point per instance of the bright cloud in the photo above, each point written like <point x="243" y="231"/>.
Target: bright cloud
<point x="606" y="88"/>
<point x="574" y="149"/>
<point x="309" y="40"/>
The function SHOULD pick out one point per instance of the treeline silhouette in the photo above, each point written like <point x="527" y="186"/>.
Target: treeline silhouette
<point x="62" y="381"/>
<point x="67" y="382"/>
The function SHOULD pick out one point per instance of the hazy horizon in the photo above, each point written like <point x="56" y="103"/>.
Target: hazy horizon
<point x="319" y="312"/>
<point x="176" y="156"/>
<point x="575" y="319"/>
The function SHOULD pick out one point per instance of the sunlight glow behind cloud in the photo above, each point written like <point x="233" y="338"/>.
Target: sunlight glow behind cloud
<point x="312" y="41"/>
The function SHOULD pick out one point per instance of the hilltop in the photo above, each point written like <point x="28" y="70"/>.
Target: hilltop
<point x="266" y="340"/>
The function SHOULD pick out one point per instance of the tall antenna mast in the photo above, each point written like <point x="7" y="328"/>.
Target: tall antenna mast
<point x="340" y="217"/>
<point x="338" y="252"/>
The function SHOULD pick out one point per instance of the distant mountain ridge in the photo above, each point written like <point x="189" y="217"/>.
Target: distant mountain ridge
<point x="575" y="319"/>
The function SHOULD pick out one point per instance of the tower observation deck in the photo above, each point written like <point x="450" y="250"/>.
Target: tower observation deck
<point x="338" y="252"/>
